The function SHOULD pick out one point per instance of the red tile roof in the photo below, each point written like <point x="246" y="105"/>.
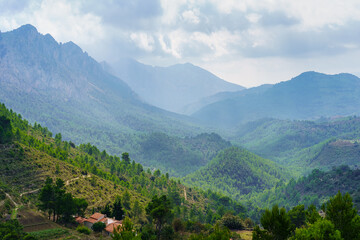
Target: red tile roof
<point x="97" y="216"/>
<point x="110" y="228"/>
<point x="92" y="220"/>
<point x="80" y="220"/>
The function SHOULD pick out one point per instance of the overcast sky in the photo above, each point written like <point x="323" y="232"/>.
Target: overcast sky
<point x="249" y="42"/>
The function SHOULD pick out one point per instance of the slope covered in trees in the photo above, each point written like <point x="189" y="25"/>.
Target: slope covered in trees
<point x="302" y="145"/>
<point x="237" y="172"/>
<point x="316" y="188"/>
<point x="32" y="155"/>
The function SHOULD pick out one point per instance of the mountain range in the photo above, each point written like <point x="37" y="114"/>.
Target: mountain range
<point x="60" y="86"/>
<point x="310" y="96"/>
<point x="171" y="88"/>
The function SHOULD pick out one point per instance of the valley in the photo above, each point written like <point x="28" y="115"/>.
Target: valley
<point x="178" y="151"/>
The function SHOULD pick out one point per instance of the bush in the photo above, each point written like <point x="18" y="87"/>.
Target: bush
<point x="232" y="222"/>
<point x="83" y="229"/>
<point x="98" y="226"/>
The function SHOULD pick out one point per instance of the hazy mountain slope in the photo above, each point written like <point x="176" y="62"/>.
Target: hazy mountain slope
<point x="171" y="88"/>
<point x="222" y="96"/>
<point x="60" y="86"/>
<point x="307" y="96"/>
<point x="235" y="172"/>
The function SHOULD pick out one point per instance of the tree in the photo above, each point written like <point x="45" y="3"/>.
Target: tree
<point x="126" y="200"/>
<point x="58" y="139"/>
<point x="47" y="197"/>
<point x="125" y="157"/>
<point x="107" y="211"/>
<point x="321" y="230"/>
<point x="340" y="211"/>
<point x="5" y="130"/>
<point x="159" y="210"/>
<point x="277" y="225"/>
<point x="232" y="222"/>
<point x="137" y="210"/>
<point x="118" y="212"/>
<point x="297" y="215"/>
<point x="312" y="214"/>
<point x="98" y="226"/>
<point x="125" y="231"/>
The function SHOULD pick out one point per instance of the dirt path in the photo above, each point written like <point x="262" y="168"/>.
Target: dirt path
<point x="16" y="205"/>
<point x="83" y="176"/>
<point x="36" y="190"/>
<point x="185" y="193"/>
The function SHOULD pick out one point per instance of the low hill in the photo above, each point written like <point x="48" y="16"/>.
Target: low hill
<point x="310" y="95"/>
<point x="302" y="144"/>
<point x="316" y="188"/>
<point x="236" y="172"/>
<point x="171" y="88"/>
<point x="178" y="156"/>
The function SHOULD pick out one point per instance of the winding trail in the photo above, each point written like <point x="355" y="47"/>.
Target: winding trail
<point x="36" y="190"/>
<point x="83" y="176"/>
<point x="185" y="193"/>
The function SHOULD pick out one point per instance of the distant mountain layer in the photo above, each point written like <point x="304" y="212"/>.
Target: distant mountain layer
<point x="60" y="86"/>
<point x="311" y="95"/>
<point x="236" y="172"/>
<point x="172" y="88"/>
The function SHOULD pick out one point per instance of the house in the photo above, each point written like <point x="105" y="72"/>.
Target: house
<point x="96" y="217"/>
<point x="110" y="223"/>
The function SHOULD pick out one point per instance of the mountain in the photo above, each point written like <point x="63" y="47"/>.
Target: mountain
<point x="171" y="88"/>
<point x="236" y="172"/>
<point x="310" y="95"/>
<point x="60" y="86"/>
<point x="222" y="96"/>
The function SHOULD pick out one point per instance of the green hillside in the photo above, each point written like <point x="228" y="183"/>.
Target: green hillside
<point x="316" y="188"/>
<point x="178" y="156"/>
<point x="302" y="144"/>
<point x="28" y="155"/>
<point x="236" y="172"/>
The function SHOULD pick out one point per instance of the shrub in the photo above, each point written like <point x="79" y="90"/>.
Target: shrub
<point x="83" y="229"/>
<point x="98" y="226"/>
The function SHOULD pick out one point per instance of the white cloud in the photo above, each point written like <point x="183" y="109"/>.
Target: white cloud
<point x="143" y="40"/>
<point x="244" y="37"/>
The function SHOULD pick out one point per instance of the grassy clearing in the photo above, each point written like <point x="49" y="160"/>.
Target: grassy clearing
<point x="245" y="234"/>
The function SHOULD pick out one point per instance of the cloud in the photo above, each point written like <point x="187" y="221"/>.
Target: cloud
<point x="207" y="32"/>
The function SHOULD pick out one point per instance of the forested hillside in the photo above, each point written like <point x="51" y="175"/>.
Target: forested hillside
<point x="302" y="145"/>
<point x="316" y="188"/>
<point x="29" y="155"/>
<point x="236" y="172"/>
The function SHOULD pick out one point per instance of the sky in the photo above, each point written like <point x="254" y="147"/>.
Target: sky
<point x="246" y="42"/>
